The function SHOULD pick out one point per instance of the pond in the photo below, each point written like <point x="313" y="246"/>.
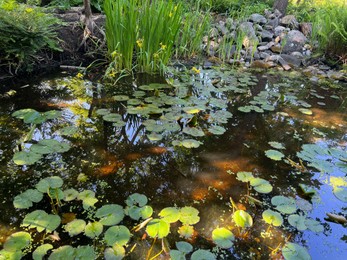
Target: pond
<point x="262" y="155"/>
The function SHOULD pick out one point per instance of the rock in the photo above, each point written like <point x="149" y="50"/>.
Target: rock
<point x="306" y="28"/>
<point x="291" y="60"/>
<point x="279" y="30"/>
<point x="207" y="65"/>
<point x="222" y="28"/>
<point x="266" y="47"/>
<point x="230" y="24"/>
<point x="273" y="23"/>
<point x="257" y="18"/>
<point x="284" y="64"/>
<point x="247" y="28"/>
<point x="214" y="33"/>
<point x="260" y="64"/>
<point x="290" y="21"/>
<point x="337" y="75"/>
<point x="264" y="55"/>
<point x="294" y="41"/>
<point x="272" y="58"/>
<point x="276" y="48"/>
<point x="297" y="55"/>
<point x="266" y="35"/>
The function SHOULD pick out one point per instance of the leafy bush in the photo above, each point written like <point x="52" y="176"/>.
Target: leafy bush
<point x="24" y="31"/>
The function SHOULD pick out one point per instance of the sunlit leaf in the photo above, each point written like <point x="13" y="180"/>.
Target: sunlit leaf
<point x="193" y="131"/>
<point x="17" y="241"/>
<point x="40" y="220"/>
<point x="273" y="218"/>
<point x="137" y="200"/>
<point x="276" y="145"/>
<point x="292" y="251"/>
<point x="93" y="229"/>
<point x="75" y="227"/>
<point x="25" y="199"/>
<point x="184" y="247"/>
<point x="242" y="219"/>
<point x="223" y="237"/>
<point x="340" y="193"/>
<point x="244" y="176"/>
<point x="52" y="114"/>
<point x="26" y="158"/>
<point x="170" y="214"/>
<point x="119" y="235"/>
<point x="158" y="228"/>
<point x="103" y="111"/>
<point x="187" y="143"/>
<point x="88" y="198"/>
<point x="284" y="204"/>
<point x="85" y="253"/>
<point x="50" y="182"/>
<point x="298" y="222"/>
<point x="63" y="252"/>
<point x="110" y="214"/>
<point x="41" y="251"/>
<point x="314" y="225"/>
<point x="70" y="194"/>
<point x="189" y="216"/>
<point x="116" y="252"/>
<point x="186" y="231"/>
<point x="121" y="98"/>
<point x="307" y="190"/>
<point x="202" y="254"/>
<point x="274" y="155"/>
<point x="216" y="130"/>
<point x="112" y="117"/>
<point x="155" y="137"/>
<point x="46" y="146"/>
<point x="261" y="185"/>
<point x="305" y="111"/>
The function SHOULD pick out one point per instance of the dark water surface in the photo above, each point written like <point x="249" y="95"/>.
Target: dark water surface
<point x="119" y="161"/>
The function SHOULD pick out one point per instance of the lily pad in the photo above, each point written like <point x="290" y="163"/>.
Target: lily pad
<point x="40" y="220"/>
<point x="136" y="199"/>
<point x="193" y="131"/>
<point x="116" y="252"/>
<point x="41" y="251"/>
<point x="170" y="214"/>
<point x="119" y="235"/>
<point x="186" y="231"/>
<point x="70" y="194"/>
<point x="216" y="130"/>
<point x="54" y="145"/>
<point x="26" y="158"/>
<point x="68" y="131"/>
<point x="223" y="237"/>
<point x="158" y="228"/>
<point x="314" y="225"/>
<point x="88" y="198"/>
<point x="187" y="143"/>
<point x="121" y="98"/>
<point x="103" y="111"/>
<point x="139" y="212"/>
<point x="63" y="252"/>
<point x="25" y="200"/>
<point x="274" y="155"/>
<point x="189" y="215"/>
<point x="272" y="217"/>
<point x="112" y="117"/>
<point x="184" y="247"/>
<point x="306" y="111"/>
<point x="85" y="253"/>
<point x="276" y="145"/>
<point x="284" y="204"/>
<point x="292" y="251"/>
<point x="17" y="241"/>
<point x="110" y="214"/>
<point x="93" y="229"/>
<point x="245" y="176"/>
<point x="297" y="221"/>
<point x="261" y="185"/>
<point x="75" y="227"/>
<point x="242" y="219"/>
<point x="340" y="193"/>
<point x="202" y="254"/>
<point x="45" y="184"/>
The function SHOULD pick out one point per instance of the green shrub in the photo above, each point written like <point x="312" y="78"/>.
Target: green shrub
<point x="24" y="31"/>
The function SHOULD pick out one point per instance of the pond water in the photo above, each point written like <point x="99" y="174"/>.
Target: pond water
<point x="185" y="144"/>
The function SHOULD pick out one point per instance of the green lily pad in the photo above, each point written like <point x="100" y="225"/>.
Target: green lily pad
<point x="119" y="235"/>
<point x="40" y="220"/>
<point x="63" y="252"/>
<point x="155" y="137"/>
<point x="184" y="247"/>
<point x="54" y="145"/>
<point x="177" y="255"/>
<point x="189" y="215"/>
<point x="292" y="251"/>
<point x="103" y="111"/>
<point x="245" y="176"/>
<point x="17" y="241"/>
<point x="85" y="253"/>
<point x="307" y="190"/>
<point x="314" y="225"/>
<point x="223" y="237"/>
<point x="202" y="254"/>
<point x="41" y="251"/>
<point x="29" y="116"/>
<point x="274" y="155"/>
<point x="193" y="131"/>
<point x="216" y="130"/>
<point x="75" y="227"/>
<point x="121" y="98"/>
<point x="136" y="199"/>
<point x="298" y="222"/>
<point x="93" y="229"/>
<point x="170" y="214"/>
<point x="187" y="143"/>
<point x="306" y="111"/>
<point x="112" y="117"/>
<point x="88" y="198"/>
<point x="273" y="218"/>
<point x="242" y="219"/>
<point x="276" y="145"/>
<point x="52" y="114"/>
<point x="110" y="214"/>
<point x="245" y="109"/>
<point x="186" y="231"/>
<point x="26" y="158"/>
<point x="116" y="252"/>
<point x="261" y="185"/>
<point x="340" y="193"/>
<point x="25" y="200"/>
<point x="158" y="228"/>
<point x="70" y="194"/>
<point x="284" y="204"/>
<point x="16" y="255"/>
<point x="45" y="184"/>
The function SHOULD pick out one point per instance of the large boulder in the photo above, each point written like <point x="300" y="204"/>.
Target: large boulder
<point x="257" y="18"/>
<point x="294" y="41"/>
<point x="290" y="21"/>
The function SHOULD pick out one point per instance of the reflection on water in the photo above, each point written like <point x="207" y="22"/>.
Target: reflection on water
<point x="122" y="160"/>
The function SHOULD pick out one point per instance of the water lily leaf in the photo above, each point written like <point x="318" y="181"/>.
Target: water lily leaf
<point x="57" y="147"/>
<point x="261" y="185"/>
<point x="273" y="218"/>
<point x="170" y="214"/>
<point x="45" y="184"/>
<point x="85" y="252"/>
<point x="134" y="102"/>
<point x="20" y="114"/>
<point x="276" y="145"/>
<point x="75" y="227"/>
<point x="314" y="225"/>
<point x="146" y="211"/>
<point x="112" y="117"/>
<point x="136" y="199"/>
<point x="305" y="111"/>
<point x="40" y="220"/>
<point x="17" y="241"/>
<point x="136" y="212"/>
<point x="177" y="255"/>
<point x="284" y="204"/>
<point x="192" y="110"/>
<point x="292" y="251"/>
<point x="103" y="111"/>
<point x="274" y="155"/>
<point x="93" y="229"/>
<point x="184" y="247"/>
<point x="267" y="107"/>
<point x="245" y="109"/>
<point x="155" y="137"/>
<point x="202" y="254"/>
<point x="25" y="199"/>
<point x="245" y="176"/>
<point x="189" y="216"/>
<point x="158" y="228"/>
<point x="68" y="131"/>
<point x="340" y="193"/>
<point x="110" y="214"/>
<point x="70" y="194"/>
<point x="56" y="194"/>
<point x="307" y="190"/>
<point x="193" y="131"/>
<point x="187" y="143"/>
<point x="119" y="235"/>
<point x="223" y="237"/>
<point x="63" y="252"/>
<point x="242" y="219"/>
<point x="88" y="198"/>
<point x="41" y="251"/>
<point x="216" y="130"/>
<point x="116" y="252"/>
<point x="186" y="231"/>
<point x="298" y="222"/>
<point x="121" y="98"/>
<point x="52" y="114"/>
<point x="42" y="149"/>
<point x="29" y="116"/>
<point x="26" y="158"/>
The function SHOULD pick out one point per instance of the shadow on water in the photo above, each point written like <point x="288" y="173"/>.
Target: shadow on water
<point x="120" y="160"/>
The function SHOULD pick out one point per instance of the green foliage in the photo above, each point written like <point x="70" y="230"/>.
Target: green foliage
<point x="223" y="237"/>
<point x="242" y="219"/>
<point x="24" y="31"/>
<point x="292" y="251"/>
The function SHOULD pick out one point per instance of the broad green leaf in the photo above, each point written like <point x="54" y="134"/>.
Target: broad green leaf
<point x="112" y="117"/>
<point x="20" y="114"/>
<point x="177" y="255"/>
<point x="93" y="229"/>
<point x="158" y="228"/>
<point x="50" y="182"/>
<point x="283" y="204"/>
<point x="189" y="216"/>
<point x="297" y="221"/>
<point x="22" y="202"/>
<point x="340" y="193"/>
<point x="186" y="231"/>
<point x="110" y="215"/>
<point x="70" y="194"/>
<point x="273" y="218"/>
<point x="63" y="252"/>
<point x="276" y="145"/>
<point x="193" y="131"/>
<point x="40" y="220"/>
<point x="52" y="114"/>
<point x="53" y="145"/>
<point x="292" y="251"/>
<point x="306" y="111"/>
<point x="170" y="214"/>
<point x="244" y="176"/>
<point x="274" y="155"/>
<point x="307" y="190"/>
<point x="41" y="251"/>
<point x="121" y="98"/>
<point x="8" y="255"/>
<point x="314" y="225"/>
<point x="116" y="252"/>
<point x="184" y="247"/>
<point x="103" y="111"/>
<point x="56" y="193"/>
<point x="85" y="253"/>
<point x="17" y="241"/>
<point x="202" y="254"/>
<point x="223" y="237"/>
<point x="155" y="137"/>
<point x="136" y="199"/>
<point x="216" y="130"/>
<point x="88" y="198"/>
<point x="42" y="149"/>
<point x="26" y="158"/>
<point x="242" y="219"/>
<point x="187" y="143"/>
<point x="261" y="185"/>
<point x="119" y="235"/>
<point x="146" y="211"/>
<point x="75" y="227"/>
<point x="192" y="110"/>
